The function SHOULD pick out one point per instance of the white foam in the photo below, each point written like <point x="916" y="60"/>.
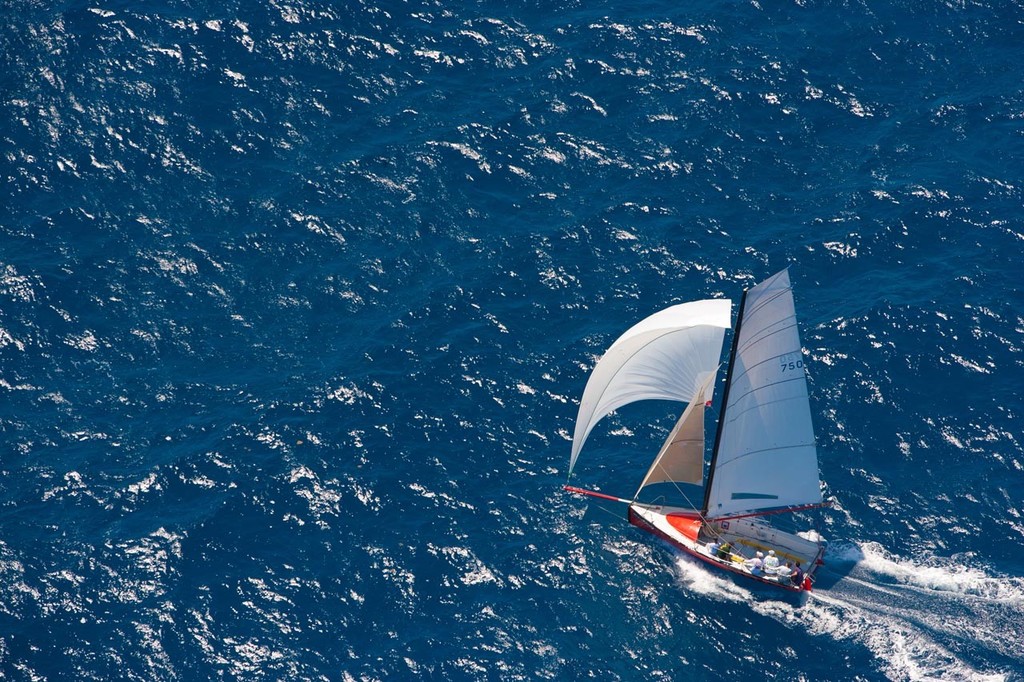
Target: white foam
<point x="911" y="614"/>
<point x="85" y="341"/>
<point x="697" y="578"/>
<point x="941" y="575"/>
<point x="906" y="648"/>
<point x="19" y="287"/>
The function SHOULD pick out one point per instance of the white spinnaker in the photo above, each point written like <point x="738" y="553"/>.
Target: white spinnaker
<point x="665" y="356"/>
<point x="766" y="455"/>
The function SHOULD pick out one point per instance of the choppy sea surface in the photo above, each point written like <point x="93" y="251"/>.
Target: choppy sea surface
<point x="297" y="300"/>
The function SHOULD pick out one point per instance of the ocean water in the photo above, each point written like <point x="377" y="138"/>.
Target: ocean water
<point x="297" y="300"/>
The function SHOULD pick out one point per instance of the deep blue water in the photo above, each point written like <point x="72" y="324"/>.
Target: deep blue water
<point x="297" y="300"/>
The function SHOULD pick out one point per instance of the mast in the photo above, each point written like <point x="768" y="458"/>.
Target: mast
<point x="725" y="402"/>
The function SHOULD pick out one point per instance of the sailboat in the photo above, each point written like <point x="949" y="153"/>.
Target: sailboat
<point x="764" y="460"/>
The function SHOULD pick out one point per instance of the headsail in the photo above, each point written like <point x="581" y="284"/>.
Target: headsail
<point x="666" y="356"/>
<point x="765" y="456"/>
<point x="681" y="459"/>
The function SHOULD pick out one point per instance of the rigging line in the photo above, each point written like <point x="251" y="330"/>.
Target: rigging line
<point x="678" y="489"/>
<point x="608" y="511"/>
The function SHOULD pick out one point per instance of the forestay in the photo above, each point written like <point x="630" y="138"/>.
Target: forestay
<point x="667" y="356"/>
<point x="766" y="457"/>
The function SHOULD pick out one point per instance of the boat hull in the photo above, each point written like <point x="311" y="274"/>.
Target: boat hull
<point x="685" y="530"/>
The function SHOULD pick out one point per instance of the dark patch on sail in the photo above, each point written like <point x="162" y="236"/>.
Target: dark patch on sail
<point x="753" y="496"/>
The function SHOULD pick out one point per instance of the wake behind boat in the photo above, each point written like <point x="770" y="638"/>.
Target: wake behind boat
<point x="764" y="461"/>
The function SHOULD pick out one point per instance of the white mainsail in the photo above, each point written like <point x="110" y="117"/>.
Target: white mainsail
<point x="666" y="356"/>
<point x="765" y="456"/>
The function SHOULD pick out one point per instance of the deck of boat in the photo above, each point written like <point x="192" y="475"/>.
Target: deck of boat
<point x="684" y="529"/>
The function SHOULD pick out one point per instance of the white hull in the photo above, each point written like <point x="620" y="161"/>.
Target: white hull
<point x="684" y="529"/>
